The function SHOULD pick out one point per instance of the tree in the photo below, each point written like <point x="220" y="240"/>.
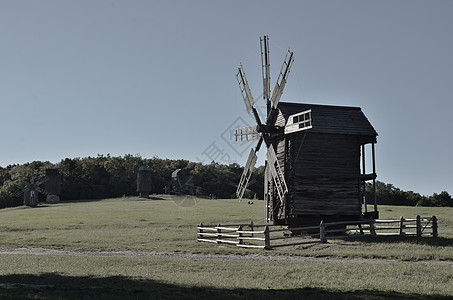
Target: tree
<point x="107" y="176"/>
<point x="442" y="199"/>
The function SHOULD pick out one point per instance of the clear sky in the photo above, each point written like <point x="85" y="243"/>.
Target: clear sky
<point x="82" y="78"/>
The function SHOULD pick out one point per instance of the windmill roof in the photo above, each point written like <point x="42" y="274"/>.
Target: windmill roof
<point x="332" y="119"/>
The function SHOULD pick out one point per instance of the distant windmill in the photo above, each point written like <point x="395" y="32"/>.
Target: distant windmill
<point x="31" y="190"/>
<point x="182" y="182"/>
<point x="144" y="182"/>
<point x="33" y="187"/>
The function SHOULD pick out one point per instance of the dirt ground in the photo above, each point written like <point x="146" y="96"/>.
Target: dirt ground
<point x="220" y="257"/>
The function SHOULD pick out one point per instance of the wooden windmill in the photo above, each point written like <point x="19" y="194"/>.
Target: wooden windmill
<point x="144" y="181"/>
<point x="31" y="190"/>
<point x="182" y="182"/>
<point x="313" y="169"/>
<point x="52" y="188"/>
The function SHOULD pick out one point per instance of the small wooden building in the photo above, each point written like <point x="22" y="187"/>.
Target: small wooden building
<point x="324" y="166"/>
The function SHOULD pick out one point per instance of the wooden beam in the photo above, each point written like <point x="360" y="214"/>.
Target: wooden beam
<point x="374" y="179"/>
<point x="364" y="184"/>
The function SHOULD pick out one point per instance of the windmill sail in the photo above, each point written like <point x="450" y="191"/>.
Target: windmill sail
<point x="276" y="173"/>
<point x="265" y="66"/>
<point x="282" y="78"/>
<point x="248" y="169"/>
<point x="245" y="89"/>
<point x="246" y="134"/>
<point x="265" y="132"/>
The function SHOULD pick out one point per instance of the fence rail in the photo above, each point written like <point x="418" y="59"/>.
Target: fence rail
<point x="271" y="236"/>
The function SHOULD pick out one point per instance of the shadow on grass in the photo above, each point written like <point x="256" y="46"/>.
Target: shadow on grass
<point x="430" y="241"/>
<point x="80" y="201"/>
<point x="101" y="199"/>
<point x="155" y="198"/>
<point x="54" y="286"/>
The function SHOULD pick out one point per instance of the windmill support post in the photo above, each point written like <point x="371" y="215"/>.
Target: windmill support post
<point x="364" y="182"/>
<point x="374" y="178"/>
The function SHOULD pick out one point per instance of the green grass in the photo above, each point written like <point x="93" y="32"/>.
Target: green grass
<point x="165" y="225"/>
<point x="76" y="277"/>
<point x="117" y="224"/>
<point x="168" y="224"/>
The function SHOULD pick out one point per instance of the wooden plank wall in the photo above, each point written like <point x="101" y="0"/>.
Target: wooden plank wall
<point x="325" y="174"/>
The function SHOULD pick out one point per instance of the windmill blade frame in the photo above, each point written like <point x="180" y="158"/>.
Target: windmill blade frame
<point x="41" y="181"/>
<point x="42" y="191"/>
<point x="276" y="173"/>
<point x="282" y="78"/>
<point x="250" y="133"/>
<point x="265" y="67"/>
<point x="246" y="93"/>
<point x="246" y="134"/>
<point x="246" y="174"/>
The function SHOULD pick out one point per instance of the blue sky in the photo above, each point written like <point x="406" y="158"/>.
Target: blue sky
<point x="82" y="78"/>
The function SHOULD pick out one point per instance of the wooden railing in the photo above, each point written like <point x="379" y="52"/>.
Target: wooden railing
<point x="270" y="236"/>
<point x="418" y="226"/>
<point x="241" y="235"/>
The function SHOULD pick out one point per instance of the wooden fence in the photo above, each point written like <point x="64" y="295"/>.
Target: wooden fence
<point x="271" y="236"/>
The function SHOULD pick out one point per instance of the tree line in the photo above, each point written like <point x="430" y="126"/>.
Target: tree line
<point x="108" y="176"/>
<point x="388" y="194"/>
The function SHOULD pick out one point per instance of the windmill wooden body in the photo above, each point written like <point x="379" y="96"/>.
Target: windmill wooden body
<point x="315" y="167"/>
<point x="52" y="185"/>
<point x="144" y="182"/>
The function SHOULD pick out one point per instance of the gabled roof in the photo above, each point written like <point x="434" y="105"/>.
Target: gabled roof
<point x="332" y="119"/>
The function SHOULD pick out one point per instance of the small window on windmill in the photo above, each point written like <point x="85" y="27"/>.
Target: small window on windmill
<point x="300" y="121"/>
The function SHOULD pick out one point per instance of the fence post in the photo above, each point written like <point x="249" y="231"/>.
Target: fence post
<point x="200" y="231"/>
<point x="401" y="225"/>
<point x="419" y="226"/>
<point x="251" y="227"/>
<point x="322" y="234"/>
<point x="240" y="235"/>
<point x="372" y="229"/>
<point x="267" y="241"/>
<point x="219" y="232"/>
<point x="435" y="226"/>
<point x="360" y="228"/>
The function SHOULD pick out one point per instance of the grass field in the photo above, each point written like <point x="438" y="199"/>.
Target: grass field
<point x="413" y="268"/>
